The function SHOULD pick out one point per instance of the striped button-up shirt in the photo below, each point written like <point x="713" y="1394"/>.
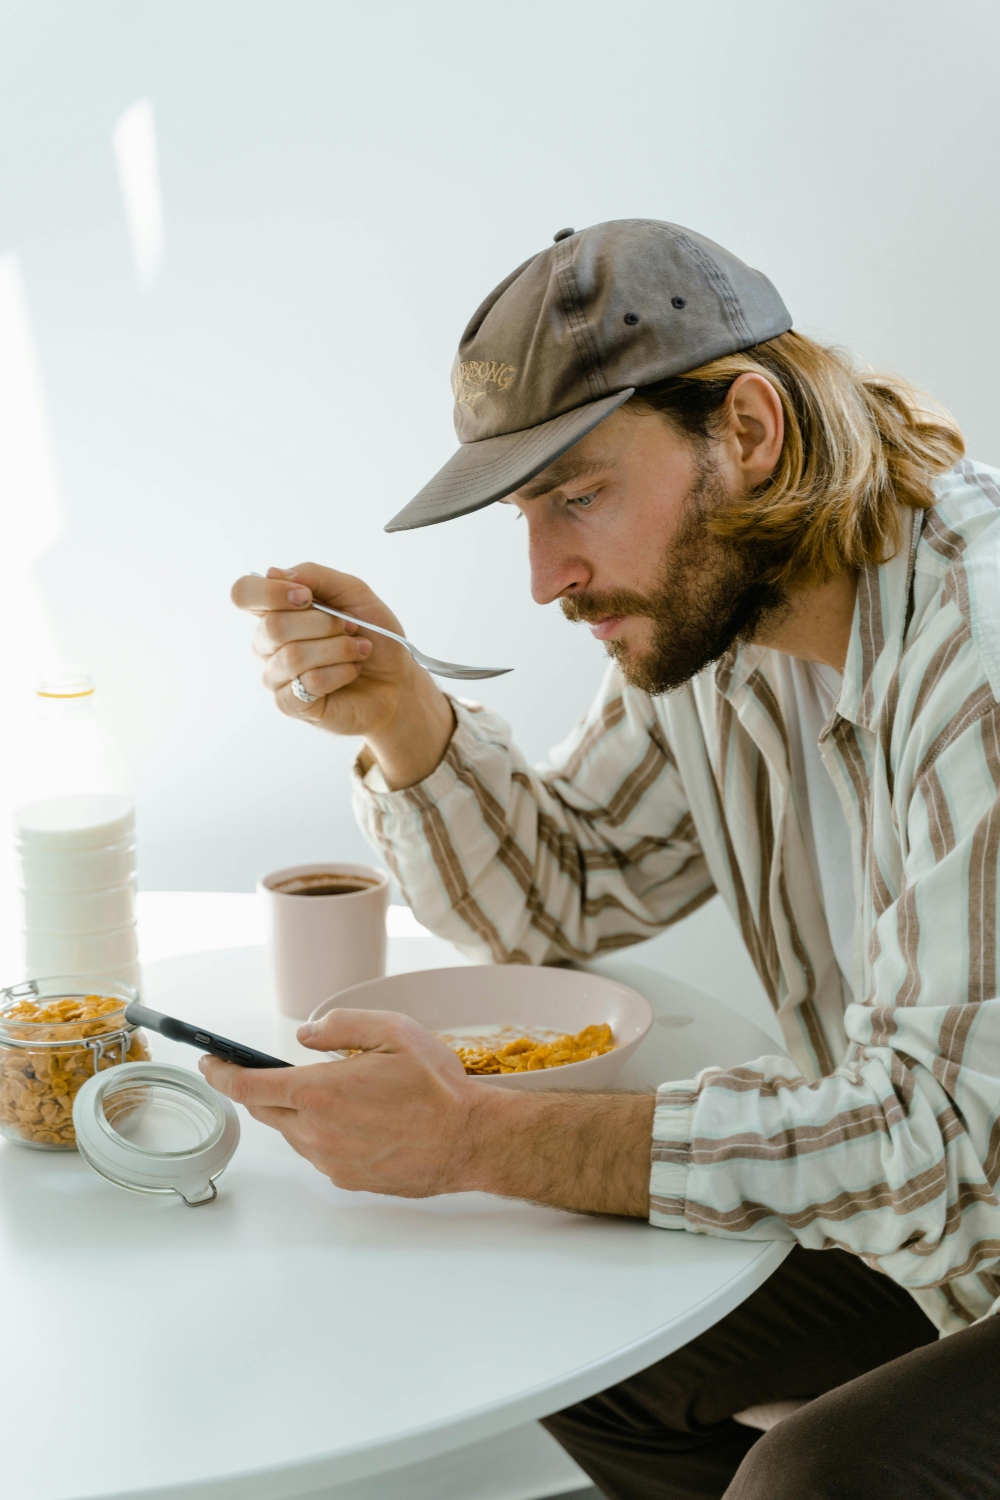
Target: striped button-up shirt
<point x="879" y="1133"/>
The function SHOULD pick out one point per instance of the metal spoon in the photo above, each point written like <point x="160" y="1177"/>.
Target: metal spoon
<point x="438" y="668"/>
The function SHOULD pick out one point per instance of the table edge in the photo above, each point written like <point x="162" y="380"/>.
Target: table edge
<point x="300" y="1478"/>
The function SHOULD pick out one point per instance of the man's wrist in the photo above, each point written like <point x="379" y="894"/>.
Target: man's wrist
<point x="412" y="747"/>
<point x="495" y="1117"/>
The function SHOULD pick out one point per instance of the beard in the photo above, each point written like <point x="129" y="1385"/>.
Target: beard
<point x="709" y="595"/>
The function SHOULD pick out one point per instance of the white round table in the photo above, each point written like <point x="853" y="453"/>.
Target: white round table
<point x="292" y="1336"/>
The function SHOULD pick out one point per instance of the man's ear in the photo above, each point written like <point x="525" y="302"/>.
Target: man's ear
<point x="755" y="421"/>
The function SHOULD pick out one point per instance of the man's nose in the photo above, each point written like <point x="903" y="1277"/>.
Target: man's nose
<point x="555" y="569"/>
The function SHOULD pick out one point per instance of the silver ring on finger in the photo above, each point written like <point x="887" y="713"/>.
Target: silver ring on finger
<point x="301" y="692"/>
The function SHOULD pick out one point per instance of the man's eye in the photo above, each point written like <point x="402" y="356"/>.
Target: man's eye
<point x="583" y="500"/>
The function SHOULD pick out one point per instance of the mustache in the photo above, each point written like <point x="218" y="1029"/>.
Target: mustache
<point x="588" y="609"/>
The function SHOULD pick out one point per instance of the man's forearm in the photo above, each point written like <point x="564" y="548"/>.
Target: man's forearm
<point x="588" y="1152"/>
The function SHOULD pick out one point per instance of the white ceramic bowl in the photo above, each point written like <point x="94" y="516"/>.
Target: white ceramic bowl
<point x="513" y="995"/>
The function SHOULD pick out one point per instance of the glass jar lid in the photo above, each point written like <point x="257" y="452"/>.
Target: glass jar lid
<point x="156" y="1128"/>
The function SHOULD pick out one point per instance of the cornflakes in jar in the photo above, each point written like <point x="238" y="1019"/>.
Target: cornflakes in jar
<point x="52" y="1039"/>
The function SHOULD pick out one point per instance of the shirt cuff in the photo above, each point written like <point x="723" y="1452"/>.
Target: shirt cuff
<point x="370" y="783"/>
<point x="671" y="1153"/>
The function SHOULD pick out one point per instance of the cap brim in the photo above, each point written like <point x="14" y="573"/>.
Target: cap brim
<point x="482" y="472"/>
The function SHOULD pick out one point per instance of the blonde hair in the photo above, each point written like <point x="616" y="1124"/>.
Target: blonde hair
<point x="857" y="447"/>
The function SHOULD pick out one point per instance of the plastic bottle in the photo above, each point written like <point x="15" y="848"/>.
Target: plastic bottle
<point x="74" y="825"/>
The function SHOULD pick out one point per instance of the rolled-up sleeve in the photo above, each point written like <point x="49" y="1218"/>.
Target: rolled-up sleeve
<point x="594" y="850"/>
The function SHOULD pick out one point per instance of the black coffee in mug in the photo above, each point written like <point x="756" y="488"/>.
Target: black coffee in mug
<point x="324" y="883"/>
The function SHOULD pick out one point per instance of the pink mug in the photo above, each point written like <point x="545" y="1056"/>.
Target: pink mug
<point x="326" y="930"/>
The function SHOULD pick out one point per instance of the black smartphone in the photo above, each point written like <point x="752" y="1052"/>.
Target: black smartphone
<point x="198" y="1036"/>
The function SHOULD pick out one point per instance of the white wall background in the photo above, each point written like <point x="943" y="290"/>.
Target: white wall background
<point x="341" y="185"/>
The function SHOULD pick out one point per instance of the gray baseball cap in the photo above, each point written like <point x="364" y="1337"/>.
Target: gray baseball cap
<point x="570" y="335"/>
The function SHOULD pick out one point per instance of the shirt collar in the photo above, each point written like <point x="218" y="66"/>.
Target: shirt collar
<point x="736" y="666"/>
<point x="881" y="614"/>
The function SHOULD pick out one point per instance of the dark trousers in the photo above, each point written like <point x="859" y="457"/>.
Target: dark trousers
<point x="897" y="1414"/>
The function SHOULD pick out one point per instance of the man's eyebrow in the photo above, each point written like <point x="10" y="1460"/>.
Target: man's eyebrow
<point x="559" y="473"/>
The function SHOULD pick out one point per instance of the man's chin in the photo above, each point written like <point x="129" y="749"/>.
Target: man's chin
<point x="638" y="668"/>
<point x="654" y="673"/>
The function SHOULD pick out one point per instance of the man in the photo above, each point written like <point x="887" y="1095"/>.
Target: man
<point x="796" y="575"/>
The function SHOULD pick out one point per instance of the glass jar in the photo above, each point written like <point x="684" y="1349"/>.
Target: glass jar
<point x="54" y="1035"/>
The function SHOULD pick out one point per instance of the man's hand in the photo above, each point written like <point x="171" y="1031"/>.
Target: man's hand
<point x="393" y="1118"/>
<point x="402" y="1117"/>
<point x="364" y="686"/>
